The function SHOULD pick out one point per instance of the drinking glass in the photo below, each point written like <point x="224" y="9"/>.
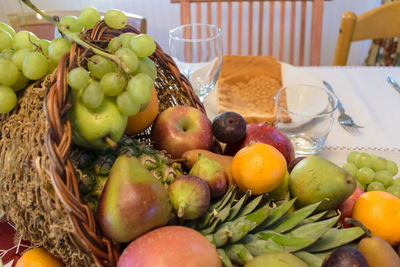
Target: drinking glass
<point x="305" y="113"/>
<point x="197" y="51"/>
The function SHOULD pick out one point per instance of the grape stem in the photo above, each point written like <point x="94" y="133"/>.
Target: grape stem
<point x="74" y="37"/>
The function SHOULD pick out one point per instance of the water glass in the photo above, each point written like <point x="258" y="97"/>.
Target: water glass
<point x="197" y="51"/>
<point x="305" y="113"/>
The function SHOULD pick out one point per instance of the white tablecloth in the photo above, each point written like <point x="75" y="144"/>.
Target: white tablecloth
<point x="366" y="96"/>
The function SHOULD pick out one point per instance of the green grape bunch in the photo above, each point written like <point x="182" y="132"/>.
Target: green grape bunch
<point x="373" y="173"/>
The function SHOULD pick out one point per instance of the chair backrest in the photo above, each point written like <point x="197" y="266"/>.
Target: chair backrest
<point x="380" y="22"/>
<point x="35" y="23"/>
<point x="292" y="37"/>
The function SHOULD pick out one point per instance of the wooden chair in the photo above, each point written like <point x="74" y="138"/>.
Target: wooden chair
<point x="380" y="22"/>
<point x="295" y="41"/>
<point x="43" y="29"/>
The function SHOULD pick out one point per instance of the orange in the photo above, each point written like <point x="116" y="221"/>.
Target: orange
<point x="141" y="121"/>
<point x="379" y="211"/>
<point x="38" y="257"/>
<point x="258" y="167"/>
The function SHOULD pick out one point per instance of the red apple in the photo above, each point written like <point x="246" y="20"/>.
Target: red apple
<point x="346" y="207"/>
<point x="263" y="133"/>
<point x="181" y="128"/>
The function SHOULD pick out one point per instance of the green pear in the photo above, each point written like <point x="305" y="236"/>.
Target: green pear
<point x="282" y="191"/>
<point x="276" y="259"/>
<point x="91" y="127"/>
<point x="133" y="201"/>
<point x="314" y="179"/>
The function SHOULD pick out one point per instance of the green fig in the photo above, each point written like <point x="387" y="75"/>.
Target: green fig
<point x="314" y="179"/>
<point x="133" y="201"/>
<point x="92" y="127"/>
<point x="190" y="197"/>
<point x="213" y="173"/>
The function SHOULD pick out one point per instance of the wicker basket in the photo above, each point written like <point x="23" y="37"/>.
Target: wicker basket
<point x="62" y="194"/>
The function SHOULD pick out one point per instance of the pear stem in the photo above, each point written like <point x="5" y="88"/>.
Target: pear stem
<point x="74" y="36"/>
<point x="359" y="224"/>
<point x="110" y="142"/>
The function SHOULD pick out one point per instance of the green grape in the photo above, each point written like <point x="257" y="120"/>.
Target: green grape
<point x="78" y="78"/>
<point x="146" y="65"/>
<point x="21" y="83"/>
<point x="351" y="157"/>
<point x="375" y="186"/>
<point x="8" y="99"/>
<point x="44" y="46"/>
<point x="379" y="164"/>
<point x="92" y="96"/>
<point x="114" y="44"/>
<point x="99" y="66"/>
<point x="350" y="168"/>
<point x="35" y="66"/>
<point x="363" y="160"/>
<point x="140" y="88"/>
<point x="126" y="105"/>
<point x="143" y="45"/>
<point x="8" y="72"/>
<point x="7" y="54"/>
<point x="365" y="175"/>
<point x="394" y="190"/>
<point x="5" y="40"/>
<point x="24" y="39"/>
<point x="392" y="167"/>
<point x="362" y="186"/>
<point x="113" y="83"/>
<point x="115" y="19"/>
<point x="385" y="177"/>
<point x="126" y="39"/>
<point x="128" y="58"/>
<point x="71" y="23"/>
<point x="396" y="181"/>
<point x="88" y="17"/>
<point x="58" y="47"/>
<point x="52" y="66"/>
<point x="19" y="56"/>
<point x="7" y="28"/>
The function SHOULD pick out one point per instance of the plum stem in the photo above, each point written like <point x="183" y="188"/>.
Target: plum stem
<point x="74" y="36"/>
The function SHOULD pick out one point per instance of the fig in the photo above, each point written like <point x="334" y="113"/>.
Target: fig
<point x="190" y="197"/>
<point x="229" y="127"/>
<point x="213" y="173"/>
<point x="345" y="257"/>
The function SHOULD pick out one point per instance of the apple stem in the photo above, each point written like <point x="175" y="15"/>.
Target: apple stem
<point x="110" y="142"/>
<point x="359" y="224"/>
<point x="74" y="36"/>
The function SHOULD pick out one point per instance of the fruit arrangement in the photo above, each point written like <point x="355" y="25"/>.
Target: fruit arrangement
<point x="188" y="191"/>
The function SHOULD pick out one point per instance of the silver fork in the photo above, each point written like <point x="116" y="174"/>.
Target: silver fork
<point x="344" y="120"/>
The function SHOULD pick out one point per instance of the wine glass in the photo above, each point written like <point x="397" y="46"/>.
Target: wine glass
<point x="197" y="51"/>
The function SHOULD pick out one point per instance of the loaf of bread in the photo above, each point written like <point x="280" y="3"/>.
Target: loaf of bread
<point x="247" y="85"/>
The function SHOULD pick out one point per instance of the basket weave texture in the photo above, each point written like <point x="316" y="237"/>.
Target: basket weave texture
<point x="39" y="181"/>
